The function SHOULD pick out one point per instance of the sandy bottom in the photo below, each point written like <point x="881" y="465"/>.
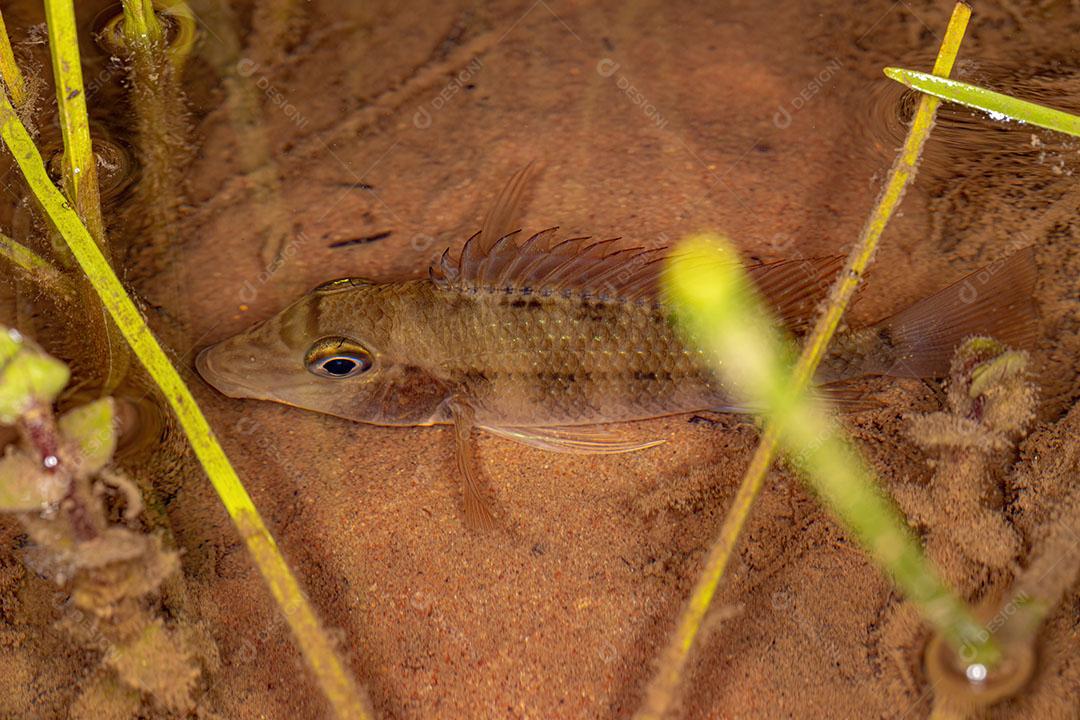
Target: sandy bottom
<point x="652" y="120"/>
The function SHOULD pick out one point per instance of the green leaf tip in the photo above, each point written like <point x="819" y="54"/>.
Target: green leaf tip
<point x="28" y="376"/>
<point x="998" y="105"/>
<point x="90" y="428"/>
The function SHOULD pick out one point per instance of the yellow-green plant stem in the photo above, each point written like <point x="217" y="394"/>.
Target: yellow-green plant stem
<point x="79" y="164"/>
<point x="715" y="303"/>
<point x="9" y="69"/>
<point x="38" y="268"/>
<point x="664" y="685"/>
<point x="999" y="106"/>
<point x="317" y="647"/>
<point x="140" y="21"/>
<point x="80" y="176"/>
<point x="160" y="128"/>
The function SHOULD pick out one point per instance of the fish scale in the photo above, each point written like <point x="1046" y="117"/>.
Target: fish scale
<point x="562" y="361"/>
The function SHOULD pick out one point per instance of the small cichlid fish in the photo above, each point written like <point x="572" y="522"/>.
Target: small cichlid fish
<point x="536" y="340"/>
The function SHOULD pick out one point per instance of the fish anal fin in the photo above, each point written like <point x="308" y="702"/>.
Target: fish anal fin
<point x="477" y="506"/>
<point x="584" y="440"/>
<point x="846" y="396"/>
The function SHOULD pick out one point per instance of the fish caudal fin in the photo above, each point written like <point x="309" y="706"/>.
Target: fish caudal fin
<point x="997" y="300"/>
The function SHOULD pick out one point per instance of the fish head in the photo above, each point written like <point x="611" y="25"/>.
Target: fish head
<point x="332" y="351"/>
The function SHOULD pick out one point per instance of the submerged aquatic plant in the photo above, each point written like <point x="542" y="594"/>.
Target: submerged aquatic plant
<point x="964" y="646"/>
<point x="54" y="482"/>
<point x="340" y="689"/>
<point x="664" y="686"/>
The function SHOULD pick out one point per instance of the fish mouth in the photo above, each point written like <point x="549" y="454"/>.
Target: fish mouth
<point x="220" y="380"/>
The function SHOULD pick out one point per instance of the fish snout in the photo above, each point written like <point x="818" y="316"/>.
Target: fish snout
<point x="228" y="372"/>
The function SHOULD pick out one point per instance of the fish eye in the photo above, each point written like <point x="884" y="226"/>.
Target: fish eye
<point x="337" y="358"/>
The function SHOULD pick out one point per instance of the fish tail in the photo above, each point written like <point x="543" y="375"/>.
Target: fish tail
<point x="996" y="300"/>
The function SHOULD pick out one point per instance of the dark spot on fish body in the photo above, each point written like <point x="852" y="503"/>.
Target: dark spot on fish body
<point x="554" y="377"/>
<point x="531" y="304"/>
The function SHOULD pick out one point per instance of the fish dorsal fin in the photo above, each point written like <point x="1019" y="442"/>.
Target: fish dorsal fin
<point x="504" y="215"/>
<point x="496" y="259"/>
<point x="576" y="266"/>
<point x="608" y="270"/>
<point x="794" y="288"/>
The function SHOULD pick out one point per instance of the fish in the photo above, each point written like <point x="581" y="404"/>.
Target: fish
<point x="541" y="340"/>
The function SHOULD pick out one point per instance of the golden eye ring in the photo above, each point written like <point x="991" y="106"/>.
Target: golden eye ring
<point x="337" y="358"/>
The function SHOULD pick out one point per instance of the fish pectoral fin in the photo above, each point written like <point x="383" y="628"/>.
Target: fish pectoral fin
<point x="576" y="439"/>
<point x="476" y="503"/>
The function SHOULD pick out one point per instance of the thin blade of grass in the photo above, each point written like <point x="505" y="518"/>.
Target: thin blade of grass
<point x="140" y="21"/>
<point x="37" y="267"/>
<point x="79" y="164"/>
<point x="662" y="689"/>
<point x="9" y="70"/>
<point x="80" y="176"/>
<point x="318" y="649"/>
<point x="716" y="305"/>
<point x="998" y="105"/>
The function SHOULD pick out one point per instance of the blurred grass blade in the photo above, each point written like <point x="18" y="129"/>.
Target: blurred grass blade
<point x="9" y="70"/>
<point x="720" y="312"/>
<point x="664" y="685"/>
<point x="317" y="647"/>
<point x="997" y="105"/>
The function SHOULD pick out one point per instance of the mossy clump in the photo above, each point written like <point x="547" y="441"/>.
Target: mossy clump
<point x="990" y="402"/>
<point x="57" y="483"/>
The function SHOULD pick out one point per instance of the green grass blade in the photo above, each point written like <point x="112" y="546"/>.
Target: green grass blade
<point x="663" y="687"/>
<point x="79" y="164"/>
<point x="333" y="676"/>
<point x="997" y="105"/>
<point x="140" y="21"/>
<point x="720" y="312"/>
<point x="9" y="70"/>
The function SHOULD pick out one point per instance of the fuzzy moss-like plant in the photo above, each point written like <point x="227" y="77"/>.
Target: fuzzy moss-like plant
<point x="53" y="481"/>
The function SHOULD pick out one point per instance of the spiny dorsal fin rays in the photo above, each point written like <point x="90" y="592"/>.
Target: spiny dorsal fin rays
<point x="490" y="267"/>
<point x="494" y="260"/>
<point x="576" y="265"/>
<point x="537" y="244"/>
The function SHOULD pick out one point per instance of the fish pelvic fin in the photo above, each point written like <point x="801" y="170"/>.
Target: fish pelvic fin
<point x="580" y="440"/>
<point x="996" y="300"/>
<point x="477" y="505"/>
